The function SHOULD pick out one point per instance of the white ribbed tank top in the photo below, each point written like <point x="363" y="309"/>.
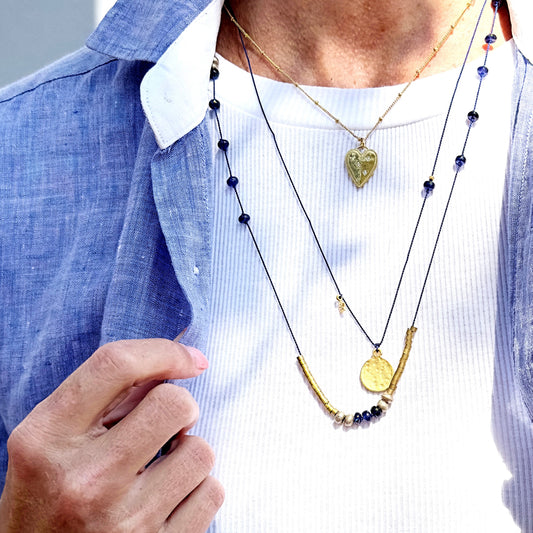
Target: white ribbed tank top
<point x="455" y="451"/>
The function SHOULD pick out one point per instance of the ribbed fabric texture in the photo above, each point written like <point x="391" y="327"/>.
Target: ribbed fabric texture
<point x="455" y="451"/>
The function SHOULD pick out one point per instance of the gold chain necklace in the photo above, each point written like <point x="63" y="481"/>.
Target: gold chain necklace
<point x="361" y="162"/>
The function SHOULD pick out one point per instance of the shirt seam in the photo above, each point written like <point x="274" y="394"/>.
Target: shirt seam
<point x="64" y="77"/>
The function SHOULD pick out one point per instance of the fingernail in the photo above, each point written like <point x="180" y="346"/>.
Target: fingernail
<point x="177" y="339"/>
<point x="199" y="358"/>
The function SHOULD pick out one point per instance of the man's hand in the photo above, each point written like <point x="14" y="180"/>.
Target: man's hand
<point x="78" y="461"/>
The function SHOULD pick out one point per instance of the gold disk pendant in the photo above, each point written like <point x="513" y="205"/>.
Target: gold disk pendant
<point x="361" y="162"/>
<point x="376" y="373"/>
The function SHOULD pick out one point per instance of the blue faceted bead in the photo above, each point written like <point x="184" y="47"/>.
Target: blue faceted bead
<point x="357" y="418"/>
<point x="496" y="3"/>
<point x="244" y="218"/>
<point x="214" y="104"/>
<point x="473" y="116"/>
<point x="429" y="185"/>
<point x="214" y="73"/>
<point x="482" y="71"/>
<point x="376" y="411"/>
<point x="367" y="416"/>
<point x="223" y="144"/>
<point x="232" y="181"/>
<point x="490" y="38"/>
<point x="460" y="161"/>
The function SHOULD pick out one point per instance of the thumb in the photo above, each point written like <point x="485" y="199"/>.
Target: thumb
<point x="198" y="359"/>
<point x="131" y="397"/>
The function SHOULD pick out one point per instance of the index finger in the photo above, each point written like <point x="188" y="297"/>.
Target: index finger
<point x="115" y="367"/>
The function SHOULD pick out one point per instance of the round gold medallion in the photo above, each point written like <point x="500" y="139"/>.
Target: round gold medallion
<point x="376" y="373"/>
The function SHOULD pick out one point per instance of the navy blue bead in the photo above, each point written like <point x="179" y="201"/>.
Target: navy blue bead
<point x="482" y="71"/>
<point x="214" y="73"/>
<point x="232" y="181"/>
<point x="357" y="418"/>
<point x="429" y="185"/>
<point x="223" y="144"/>
<point x="496" y="3"/>
<point x="367" y="416"/>
<point x="460" y="161"/>
<point x="490" y="38"/>
<point x="473" y="116"/>
<point x="376" y="411"/>
<point x="244" y="218"/>
<point x="214" y="104"/>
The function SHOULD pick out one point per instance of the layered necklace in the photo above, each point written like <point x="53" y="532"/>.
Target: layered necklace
<point x="361" y="162"/>
<point x="377" y="375"/>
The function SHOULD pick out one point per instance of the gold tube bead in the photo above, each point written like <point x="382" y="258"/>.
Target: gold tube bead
<point x="314" y="385"/>
<point x="403" y="360"/>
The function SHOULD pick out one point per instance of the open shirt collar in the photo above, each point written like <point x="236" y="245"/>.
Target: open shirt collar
<point x="180" y="38"/>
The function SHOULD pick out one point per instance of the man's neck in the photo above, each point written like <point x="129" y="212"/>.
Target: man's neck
<point x="353" y="43"/>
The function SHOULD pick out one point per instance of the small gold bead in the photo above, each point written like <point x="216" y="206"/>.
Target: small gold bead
<point x="339" y="417"/>
<point x="386" y="397"/>
<point x="348" y="420"/>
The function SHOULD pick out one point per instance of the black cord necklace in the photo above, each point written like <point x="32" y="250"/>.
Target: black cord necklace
<point x="377" y="374"/>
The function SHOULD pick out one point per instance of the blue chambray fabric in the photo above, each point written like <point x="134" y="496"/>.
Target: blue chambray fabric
<point x="105" y="236"/>
<point x="520" y="224"/>
<point x="83" y="258"/>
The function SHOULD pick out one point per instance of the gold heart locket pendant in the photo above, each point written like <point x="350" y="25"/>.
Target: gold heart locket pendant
<point x="361" y="162"/>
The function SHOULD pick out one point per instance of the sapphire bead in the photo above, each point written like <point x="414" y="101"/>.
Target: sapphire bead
<point x="429" y="186"/>
<point x="376" y="411"/>
<point x="244" y="218"/>
<point x="232" y="181"/>
<point x="223" y="144"/>
<point x="367" y="416"/>
<point x="214" y="73"/>
<point x="473" y="116"/>
<point x="214" y="104"/>
<point x="482" y="71"/>
<point x="460" y="161"/>
<point x="496" y="3"/>
<point x="357" y="418"/>
<point x="490" y="38"/>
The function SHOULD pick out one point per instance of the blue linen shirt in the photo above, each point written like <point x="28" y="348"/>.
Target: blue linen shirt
<point x="106" y="226"/>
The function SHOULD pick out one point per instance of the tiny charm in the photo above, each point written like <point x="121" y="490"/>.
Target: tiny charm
<point x="341" y="306"/>
<point x="376" y="373"/>
<point x="361" y="162"/>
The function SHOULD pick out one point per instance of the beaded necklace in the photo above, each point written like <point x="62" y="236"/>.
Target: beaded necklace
<point x="361" y="162"/>
<point x="377" y="374"/>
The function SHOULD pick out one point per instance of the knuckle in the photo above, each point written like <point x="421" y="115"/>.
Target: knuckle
<point x="113" y="359"/>
<point x="26" y="454"/>
<point x="200" y="453"/>
<point x="215" y="494"/>
<point x="173" y="403"/>
<point x="16" y="443"/>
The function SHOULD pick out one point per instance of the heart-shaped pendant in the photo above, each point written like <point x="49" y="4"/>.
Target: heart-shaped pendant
<point x="361" y="162"/>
